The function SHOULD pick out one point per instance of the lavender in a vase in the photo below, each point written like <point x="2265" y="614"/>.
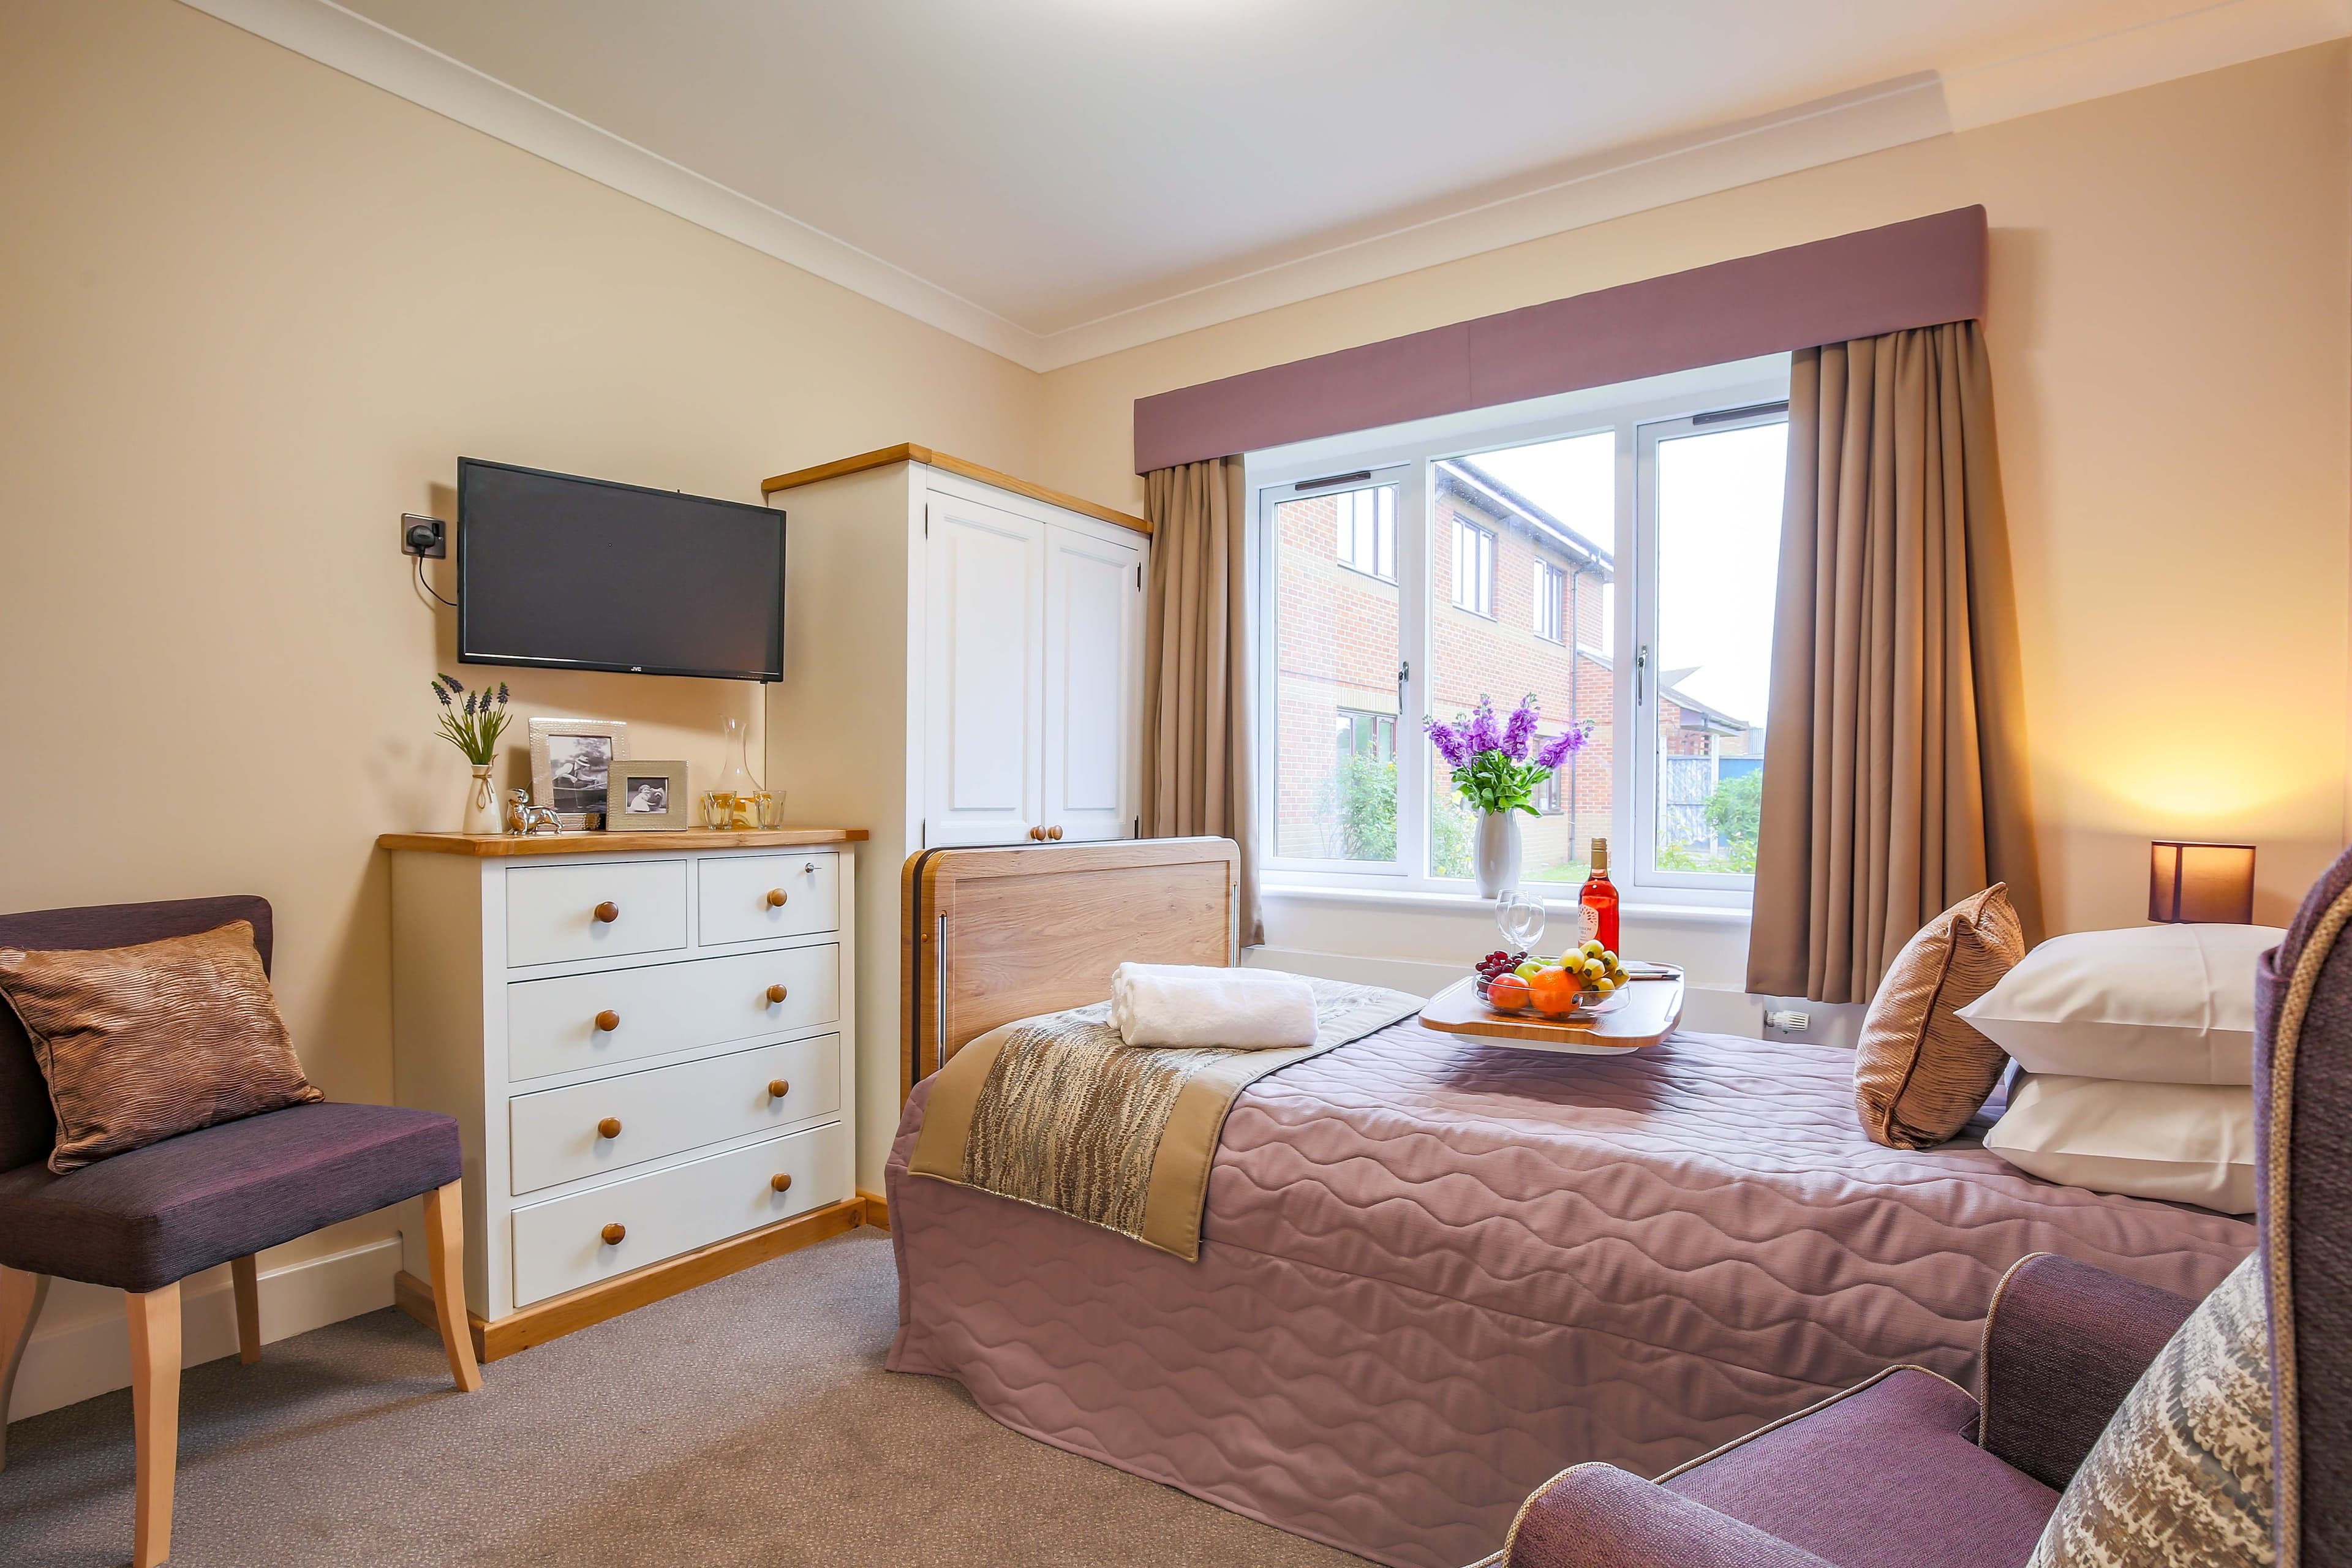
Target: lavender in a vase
<point x="1493" y="769"/>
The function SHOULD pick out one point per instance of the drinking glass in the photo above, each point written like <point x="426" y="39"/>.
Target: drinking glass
<point x="1521" y="920"/>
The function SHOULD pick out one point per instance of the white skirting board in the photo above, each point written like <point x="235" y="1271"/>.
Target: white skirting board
<point x="81" y="1345"/>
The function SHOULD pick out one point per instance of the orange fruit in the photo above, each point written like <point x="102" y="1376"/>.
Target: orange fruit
<point x="1506" y="992"/>
<point x="1554" y="989"/>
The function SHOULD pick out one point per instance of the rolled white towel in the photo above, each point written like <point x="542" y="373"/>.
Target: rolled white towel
<point x="1193" y="1005"/>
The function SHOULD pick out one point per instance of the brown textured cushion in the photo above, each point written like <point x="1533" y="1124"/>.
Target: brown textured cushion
<point x="1920" y="1073"/>
<point x="141" y="1043"/>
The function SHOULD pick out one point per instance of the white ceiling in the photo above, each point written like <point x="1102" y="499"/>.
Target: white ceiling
<point x="1059" y="167"/>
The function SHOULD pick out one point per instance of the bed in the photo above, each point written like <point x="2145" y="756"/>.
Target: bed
<point x="1433" y="1272"/>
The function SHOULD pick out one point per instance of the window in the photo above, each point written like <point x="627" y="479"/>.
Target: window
<point x="1547" y="801"/>
<point x="1366" y="525"/>
<point x="1551" y="586"/>
<point x="1710" y="505"/>
<point x="1474" y="568"/>
<point x="1669" y="490"/>
<point x="1336" y="655"/>
<point x="1371" y="736"/>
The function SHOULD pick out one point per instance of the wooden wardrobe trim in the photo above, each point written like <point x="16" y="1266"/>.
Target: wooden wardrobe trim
<point x="908" y="452"/>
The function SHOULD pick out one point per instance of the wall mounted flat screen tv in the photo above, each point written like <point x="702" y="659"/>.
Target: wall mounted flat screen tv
<point x="564" y="573"/>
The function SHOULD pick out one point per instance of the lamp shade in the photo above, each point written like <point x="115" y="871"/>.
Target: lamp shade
<point x="2200" y="884"/>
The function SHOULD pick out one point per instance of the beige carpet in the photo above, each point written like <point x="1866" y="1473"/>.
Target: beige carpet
<point x="747" y="1422"/>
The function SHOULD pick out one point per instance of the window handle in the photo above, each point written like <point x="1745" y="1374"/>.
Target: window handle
<point x="1404" y="674"/>
<point x="1641" y="675"/>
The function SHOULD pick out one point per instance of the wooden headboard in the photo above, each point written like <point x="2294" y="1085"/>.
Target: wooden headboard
<point x="987" y="936"/>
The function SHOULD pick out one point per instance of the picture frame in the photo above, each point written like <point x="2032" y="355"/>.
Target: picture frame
<point x="649" y="797"/>
<point x="572" y="766"/>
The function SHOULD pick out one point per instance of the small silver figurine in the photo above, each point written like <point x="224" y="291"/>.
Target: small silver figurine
<point x="523" y="820"/>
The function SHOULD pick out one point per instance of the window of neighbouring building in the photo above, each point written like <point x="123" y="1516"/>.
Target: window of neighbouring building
<point x="1367" y="527"/>
<point x="1371" y="736"/>
<point x="1550" y="590"/>
<point x="1670" y="489"/>
<point x="1474" y="568"/>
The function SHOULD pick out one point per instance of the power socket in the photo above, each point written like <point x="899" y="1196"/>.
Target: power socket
<point x="421" y="535"/>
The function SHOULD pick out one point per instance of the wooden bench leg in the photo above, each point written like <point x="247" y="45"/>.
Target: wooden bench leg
<point x="20" y="1304"/>
<point x="156" y="1412"/>
<point x="445" y="1240"/>
<point x="247" y="1280"/>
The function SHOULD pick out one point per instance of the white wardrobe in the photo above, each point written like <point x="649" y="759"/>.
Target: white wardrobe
<point x="963" y="665"/>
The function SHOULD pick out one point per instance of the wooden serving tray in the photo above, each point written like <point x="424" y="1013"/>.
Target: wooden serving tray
<point x="1647" y="1016"/>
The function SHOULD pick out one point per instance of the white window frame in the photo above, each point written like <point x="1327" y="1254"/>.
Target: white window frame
<point x="1642" y="832"/>
<point x="1404" y="454"/>
<point x="1411" y="585"/>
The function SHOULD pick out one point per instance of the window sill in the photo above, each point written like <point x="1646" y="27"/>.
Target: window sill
<point x="1399" y="898"/>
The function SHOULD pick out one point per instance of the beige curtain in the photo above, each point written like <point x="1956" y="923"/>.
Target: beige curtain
<point x="1196" y="667"/>
<point x="1895" y="756"/>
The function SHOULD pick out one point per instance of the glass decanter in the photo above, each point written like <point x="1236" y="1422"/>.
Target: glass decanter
<point x="736" y="796"/>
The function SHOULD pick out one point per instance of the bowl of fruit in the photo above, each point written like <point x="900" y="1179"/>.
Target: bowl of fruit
<point x="1574" y="987"/>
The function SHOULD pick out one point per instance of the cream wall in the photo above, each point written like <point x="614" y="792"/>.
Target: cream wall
<point x="2171" y="290"/>
<point x="250" y="311"/>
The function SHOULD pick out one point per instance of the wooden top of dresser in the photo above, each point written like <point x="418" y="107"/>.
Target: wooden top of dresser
<point x="684" y="840"/>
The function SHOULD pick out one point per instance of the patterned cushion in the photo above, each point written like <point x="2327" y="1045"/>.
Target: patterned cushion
<point x="139" y="1044"/>
<point x="1920" y="1073"/>
<point x="2182" y="1478"/>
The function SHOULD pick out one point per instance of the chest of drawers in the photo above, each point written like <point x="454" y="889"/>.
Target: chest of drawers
<point x="646" y="1040"/>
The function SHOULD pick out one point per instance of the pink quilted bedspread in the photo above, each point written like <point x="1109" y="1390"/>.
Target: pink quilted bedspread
<point x="1436" y="1272"/>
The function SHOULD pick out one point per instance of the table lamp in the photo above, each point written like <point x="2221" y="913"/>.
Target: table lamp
<point x="2200" y="884"/>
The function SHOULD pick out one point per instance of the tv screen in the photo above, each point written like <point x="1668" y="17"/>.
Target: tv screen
<point x="574" y="574"/>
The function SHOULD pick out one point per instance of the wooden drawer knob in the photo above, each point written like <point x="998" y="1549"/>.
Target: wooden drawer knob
<point x="608" y="1021"/>
<point x="613" y="1232"/>
<point x="775" y="993"/>
<point x="607" y="912"/>
<point x="775" y="897"/>
<point x="1038" y="833"/>
<point x="778" y="1087"/>
<point x="780" y="1181"/>
<point x="609" y="1128"/>
<point x="1054" y="833"/>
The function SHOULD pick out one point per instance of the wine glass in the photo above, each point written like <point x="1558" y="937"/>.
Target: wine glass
<point x="1521" y="920"/>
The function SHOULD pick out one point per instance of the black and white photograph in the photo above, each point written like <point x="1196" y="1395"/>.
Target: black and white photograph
<point x="646" y="796"/>
<point x="572" y="763"/>
<point x="580" y="770"/>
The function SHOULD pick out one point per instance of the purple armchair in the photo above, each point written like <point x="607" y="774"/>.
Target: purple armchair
<point x="143" y="1221"/>
<point x="1909" y="1471"/>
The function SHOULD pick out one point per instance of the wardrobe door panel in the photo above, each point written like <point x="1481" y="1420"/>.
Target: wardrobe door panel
<point x="985" y="636"/>
<point x="1093" y="636"/>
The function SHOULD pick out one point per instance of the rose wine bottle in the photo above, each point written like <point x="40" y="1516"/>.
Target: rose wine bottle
<point x="1599" y="900"/>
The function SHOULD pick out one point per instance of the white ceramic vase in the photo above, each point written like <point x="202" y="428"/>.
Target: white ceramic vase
<point x="481" y="804"/>
<point x="1498" y="853"/>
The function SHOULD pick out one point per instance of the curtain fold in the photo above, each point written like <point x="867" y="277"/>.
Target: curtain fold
<point x="1197" y="692"/>
<point x="1895" y="756"/>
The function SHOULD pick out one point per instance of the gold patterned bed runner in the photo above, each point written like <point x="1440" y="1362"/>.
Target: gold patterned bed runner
<point x="1056" y="1111"/>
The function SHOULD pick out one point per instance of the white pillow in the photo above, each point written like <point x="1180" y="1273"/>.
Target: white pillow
<point x="2185" y="1142"/>
<point x="2165" y="1004"/>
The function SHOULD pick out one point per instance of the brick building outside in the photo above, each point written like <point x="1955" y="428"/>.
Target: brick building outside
<point x="1518" y="606"/>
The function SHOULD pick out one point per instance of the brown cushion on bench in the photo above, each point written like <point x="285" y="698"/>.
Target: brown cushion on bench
<point x="141" y="1043"/>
